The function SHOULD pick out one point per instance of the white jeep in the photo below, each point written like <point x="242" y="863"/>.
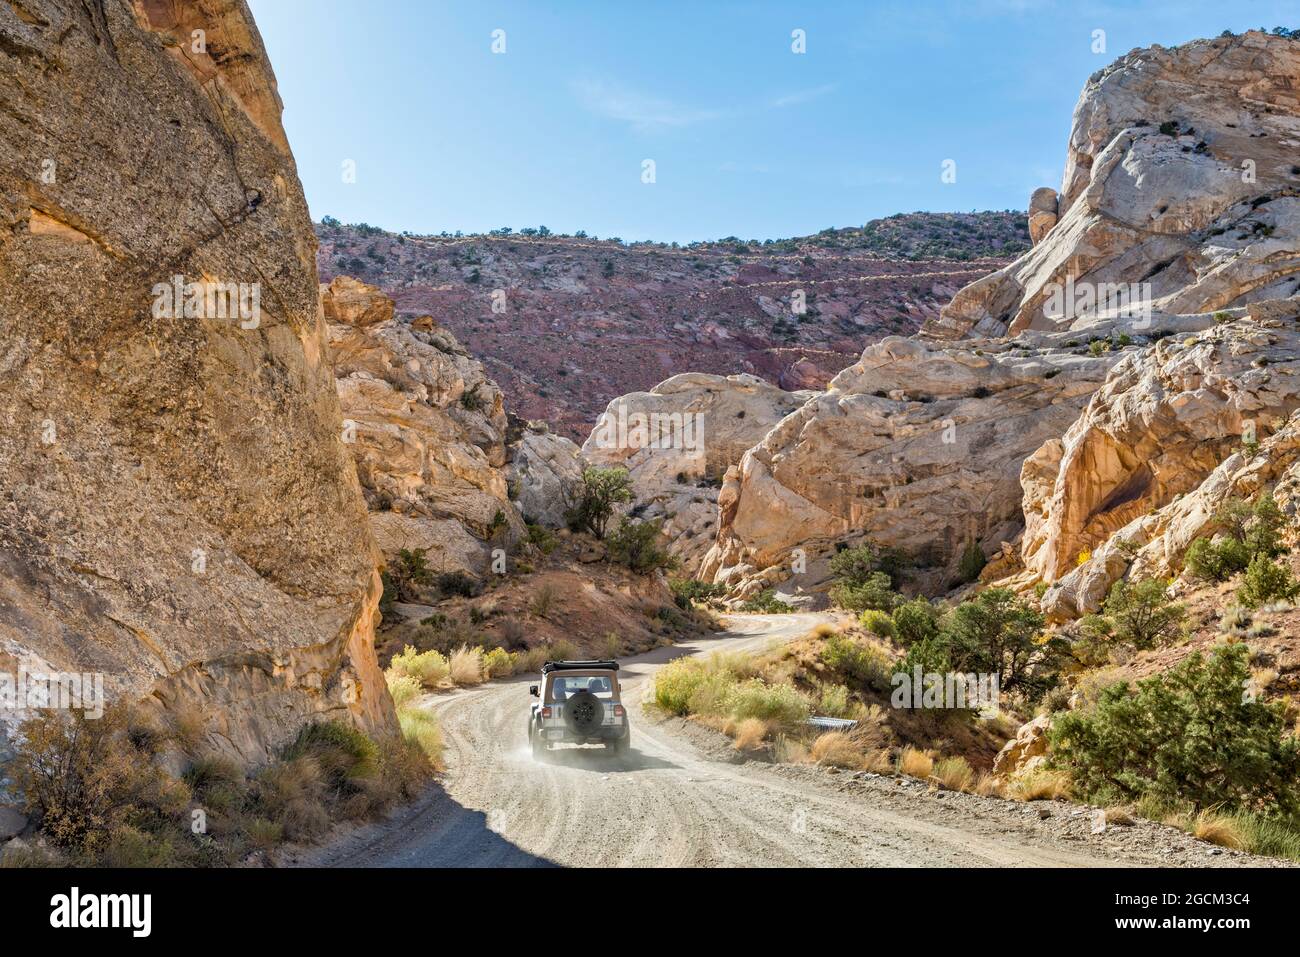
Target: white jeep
<point x="578" y="702"/>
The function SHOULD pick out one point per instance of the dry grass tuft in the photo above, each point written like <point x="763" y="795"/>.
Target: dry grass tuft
<point x="750" y="734"/>
<point x="953" y="774"/>
<point x="1218" y="829"/>
<point x="466" y="666"/>
<point x="1039" y="786"/>
<point x="836" y="749"/>
<point x="916" y="764"/>
<point x="987" y="785"/>
<point x="1119" y="816"/>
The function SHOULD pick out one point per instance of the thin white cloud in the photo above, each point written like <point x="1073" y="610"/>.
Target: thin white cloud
<point x="645" y="114"/>
<point x="804" y="96"/>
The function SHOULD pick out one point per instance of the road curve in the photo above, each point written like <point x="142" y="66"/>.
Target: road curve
<point x="666" y="804"/>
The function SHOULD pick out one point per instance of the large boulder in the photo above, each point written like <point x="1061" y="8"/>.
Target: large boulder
<point x="177" y="512"/>
<point x="545" y="474"/>
<point x="678" y="440"/>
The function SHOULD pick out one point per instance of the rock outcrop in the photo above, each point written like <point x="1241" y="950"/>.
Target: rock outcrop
<point x="1161" y="446"/>
<point x="678" y="440"/>
<point x="177" y="512"/>
<point x="1181" y="189"/>
<point x="426" y="427"/>
<point x="919" y="445"/>
<point x="1179" y="212"/>
<point x="545" y="474"/>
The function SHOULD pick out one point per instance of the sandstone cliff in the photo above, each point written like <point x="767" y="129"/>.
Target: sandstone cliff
<point x="177" y="510"/>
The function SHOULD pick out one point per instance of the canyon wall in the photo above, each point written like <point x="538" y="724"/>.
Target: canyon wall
<point x="178" y="510"/>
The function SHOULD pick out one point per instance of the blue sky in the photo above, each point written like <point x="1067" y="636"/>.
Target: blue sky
<point x="748" y="138"/>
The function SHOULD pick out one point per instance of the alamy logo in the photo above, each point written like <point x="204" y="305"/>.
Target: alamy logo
<point x="950" y="690"/>
<point x="31" y="688"/>
<point x="1084" y="300"/>
<point x="682" y="431"/>
<point x="209" y="299"/>
<point x="73" y="910"/>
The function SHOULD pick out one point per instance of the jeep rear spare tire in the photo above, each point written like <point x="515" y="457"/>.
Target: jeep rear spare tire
<point x="583" y="714"/>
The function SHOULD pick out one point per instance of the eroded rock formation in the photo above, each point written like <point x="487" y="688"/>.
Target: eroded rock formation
<point x="177" y="511"/>
<point x="426" y="427"/>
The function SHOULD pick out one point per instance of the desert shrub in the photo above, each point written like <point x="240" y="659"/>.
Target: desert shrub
<point x="466" y="665"/>
<point x="453" y="584"/>
<point x="855" y="566"/>
<point x="1186" y="735"/>
<point x="594" y="501"/>
<point x="687" y="590"/>
<point x="777" y="703"/>
<point x="541" y="537"/>
<point x="611" y="646"/>
<point x="1041" y="784"/>
<point x="640" y="546"/>
<point x="875" y="593"/>
<point x="766" y="603"/>
<point x="543" y="601"/>
<point x="860" y="663"/>
<point x="836" y="749"/>
<point x="407" y="572"/>
<point x="749" y="734"/>
<point x="402" y="687"/>
<point x="675" y="683"/>
<point x="1265" y="581"/>
<point x="972" y="562"/>
<point x="420" y="728"/>
<point x="997" y="632"/>
<point x="915" y="621"/>
<point x="1249" y="530"/>
<point x="877" y="622"/>
<point x="498" y="663"/>
<point x="1139" y="614"/>
<point x="833" y="701"/>
<point x="427" y="667"/>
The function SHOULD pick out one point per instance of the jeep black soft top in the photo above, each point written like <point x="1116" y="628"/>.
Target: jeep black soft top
<point x="579" y="666"/>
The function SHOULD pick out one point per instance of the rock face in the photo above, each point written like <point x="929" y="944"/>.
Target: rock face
<point x="176" y="509"/>
<point x="545" y="474"/>
<point x="918" y="445"/>
<point x="1181" y="187"/>
<point x="426" y="427"/>
<point x="1161" y="446"/>
<point x="678" y="440"/>
<point x="1024" y="753"/>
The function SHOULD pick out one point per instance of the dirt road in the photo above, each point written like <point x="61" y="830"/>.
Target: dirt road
<point x="673" y="802"/>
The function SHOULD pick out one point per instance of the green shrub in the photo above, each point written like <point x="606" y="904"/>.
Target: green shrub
<point x="834" y="701"/>
<point x="996" y="632"/>
<point x="602" y="490"/>
<point x="427" y="667"/>
<point x="1186" y="735"/>
<point x="856" y="566"/>
<point x="766" y="603"/>
<point x="1140" y="614"/>
<point x="972" y="562"/>
<point x="875" y="594"/>
<point x="1217" y="560"/>
<point x="779" y="703"/>
<point x="1265" y="581"/>
<point x="639" y="546"/>
<point x="498" y="663"/>
<point x="687" y="590"/>
<point x="408" y="570"/>
<point x="1249" y="530"/>
<point x="675" y="683"/>
<point x="915" y="621"/>
<point x="877" y="622"/>
<point x="403" y="687"/>
<point x="861" y="664"/>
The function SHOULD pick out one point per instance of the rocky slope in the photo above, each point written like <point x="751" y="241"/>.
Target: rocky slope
<point x="176" y="509"/>
<point x="921" y="444"/>
<point x="565" y="324"/>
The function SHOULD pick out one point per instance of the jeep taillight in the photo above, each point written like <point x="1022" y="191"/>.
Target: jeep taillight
<point x="618" y="711"/>
<point x="546" y="712"/>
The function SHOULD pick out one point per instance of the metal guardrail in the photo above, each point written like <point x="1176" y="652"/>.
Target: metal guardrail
<point x="833" y="724"/>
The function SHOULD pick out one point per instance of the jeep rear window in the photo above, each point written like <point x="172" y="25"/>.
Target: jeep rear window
<point x="565" y="684"/>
